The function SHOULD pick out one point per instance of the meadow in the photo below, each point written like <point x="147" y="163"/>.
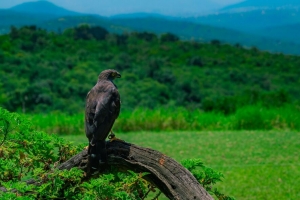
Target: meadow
<point x="256" y="148"/>
<point x="255" y="164"/>
<point x="252" y="117"/>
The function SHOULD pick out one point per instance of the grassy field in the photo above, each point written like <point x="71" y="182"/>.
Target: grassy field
<point x="256" y="164"/>
<point x="254" y="117"/>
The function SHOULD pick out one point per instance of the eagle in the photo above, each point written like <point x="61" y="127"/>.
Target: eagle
<point x="101" y="110"/>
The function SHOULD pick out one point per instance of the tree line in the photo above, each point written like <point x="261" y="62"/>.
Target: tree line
<point x="44" y="71"/>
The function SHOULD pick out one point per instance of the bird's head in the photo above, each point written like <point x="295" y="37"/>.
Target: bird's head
<point x="109" y="74"/>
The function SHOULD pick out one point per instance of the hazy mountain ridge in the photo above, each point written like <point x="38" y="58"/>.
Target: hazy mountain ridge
<point x="55" y="18"/>
<point x="9" y="17"/>
<point x="262" y="4"/>
<point x="141" y="15"/>
<point x="252" y="20"/>
<point x="63" y="23"/>
<point x="43" y="7"/>
<point x="265" y="18"/>
<point x="289" y="32"/>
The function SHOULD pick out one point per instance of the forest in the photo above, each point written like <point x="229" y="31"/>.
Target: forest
<point x="44" y="72"/>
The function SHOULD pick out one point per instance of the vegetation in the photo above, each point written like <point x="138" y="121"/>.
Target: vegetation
<point x="166" y="85"/>
<point x="28" y="154"/>
<point x="255" y="164"/>
<point x="255" y="117"/>
<point x="44" y="71"/>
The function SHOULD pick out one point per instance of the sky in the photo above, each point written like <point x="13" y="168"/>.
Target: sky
<point x="111" y="7"/>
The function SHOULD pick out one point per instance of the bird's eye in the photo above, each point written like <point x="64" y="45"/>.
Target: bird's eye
<point x="114" y="74"/>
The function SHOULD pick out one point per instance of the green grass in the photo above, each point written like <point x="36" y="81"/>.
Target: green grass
<point x="256" y="164"/>
<point x="253" y="117"/>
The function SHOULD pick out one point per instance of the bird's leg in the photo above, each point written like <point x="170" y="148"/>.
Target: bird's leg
<point x="112" y="137"/>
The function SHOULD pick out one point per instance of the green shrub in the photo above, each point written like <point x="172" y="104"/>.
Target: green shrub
<point x="255" y="117"/>
<point x="28" y="154"/>
<point x="206" y="176"/>
<point x="250" y="118"/>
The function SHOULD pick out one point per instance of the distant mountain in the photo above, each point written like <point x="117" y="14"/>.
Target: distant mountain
<point x="250" y="20"/>
<point x="32" y="13"/>
<point x="51" y="17"/>
<point x="262" y="4"/>
<point x="165" y="7"/>
<point x="44" y="8"/>
<point x="140" y="15"/>
<point x="10" y="17"/>
<point x="63" y="23"/>
<point x="286" y="33"/>
<point x="271" y="19"/>
<point x="204" y="33"/>
<point x="185" y="30"/>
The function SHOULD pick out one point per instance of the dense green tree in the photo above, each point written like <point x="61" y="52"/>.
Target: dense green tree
<point x="43" y="71"/>
<point x="85" y="32"/>
<point x="169" y="37"/>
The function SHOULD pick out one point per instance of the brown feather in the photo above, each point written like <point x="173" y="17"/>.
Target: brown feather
<point x="102" y="106"/>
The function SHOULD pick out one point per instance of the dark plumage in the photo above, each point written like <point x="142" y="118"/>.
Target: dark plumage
<point x="102" y="108"/>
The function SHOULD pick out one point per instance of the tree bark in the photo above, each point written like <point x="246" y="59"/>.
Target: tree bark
<point x="169" y="176"/>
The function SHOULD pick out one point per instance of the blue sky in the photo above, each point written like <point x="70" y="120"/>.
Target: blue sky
<point x="110" y="7"/>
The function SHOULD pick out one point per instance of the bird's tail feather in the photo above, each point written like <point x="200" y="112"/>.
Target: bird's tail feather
<point x="97" y="154"/>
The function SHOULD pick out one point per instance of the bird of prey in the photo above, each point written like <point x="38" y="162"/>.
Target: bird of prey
<point x="102" y="109"/>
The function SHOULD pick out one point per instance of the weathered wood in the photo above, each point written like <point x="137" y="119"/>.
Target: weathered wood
<point x="169" y="176"/>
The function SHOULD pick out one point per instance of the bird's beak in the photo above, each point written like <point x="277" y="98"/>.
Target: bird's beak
<point x="118" y="76"/>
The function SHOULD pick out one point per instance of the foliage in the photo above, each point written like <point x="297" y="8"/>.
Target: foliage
<point x="46" y="71"/>
<point x="253" y="117"/>
<point x="206" y="176"/>
<point x="85" y="32"/>
<point x="27" y="154"/>
<point x="169" y="37"/>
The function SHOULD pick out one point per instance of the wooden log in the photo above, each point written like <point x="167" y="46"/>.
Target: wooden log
<point x="169" y="176"/>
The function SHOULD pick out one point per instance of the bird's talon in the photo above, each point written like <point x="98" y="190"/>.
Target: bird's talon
<point x="112" y="137"/>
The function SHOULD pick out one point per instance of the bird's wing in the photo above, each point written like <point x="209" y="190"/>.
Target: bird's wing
<point x="90" y="109"/>
<point x="116" y="103"/>
<point x="108" y="105"/>
<point x="102" y="108"/>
